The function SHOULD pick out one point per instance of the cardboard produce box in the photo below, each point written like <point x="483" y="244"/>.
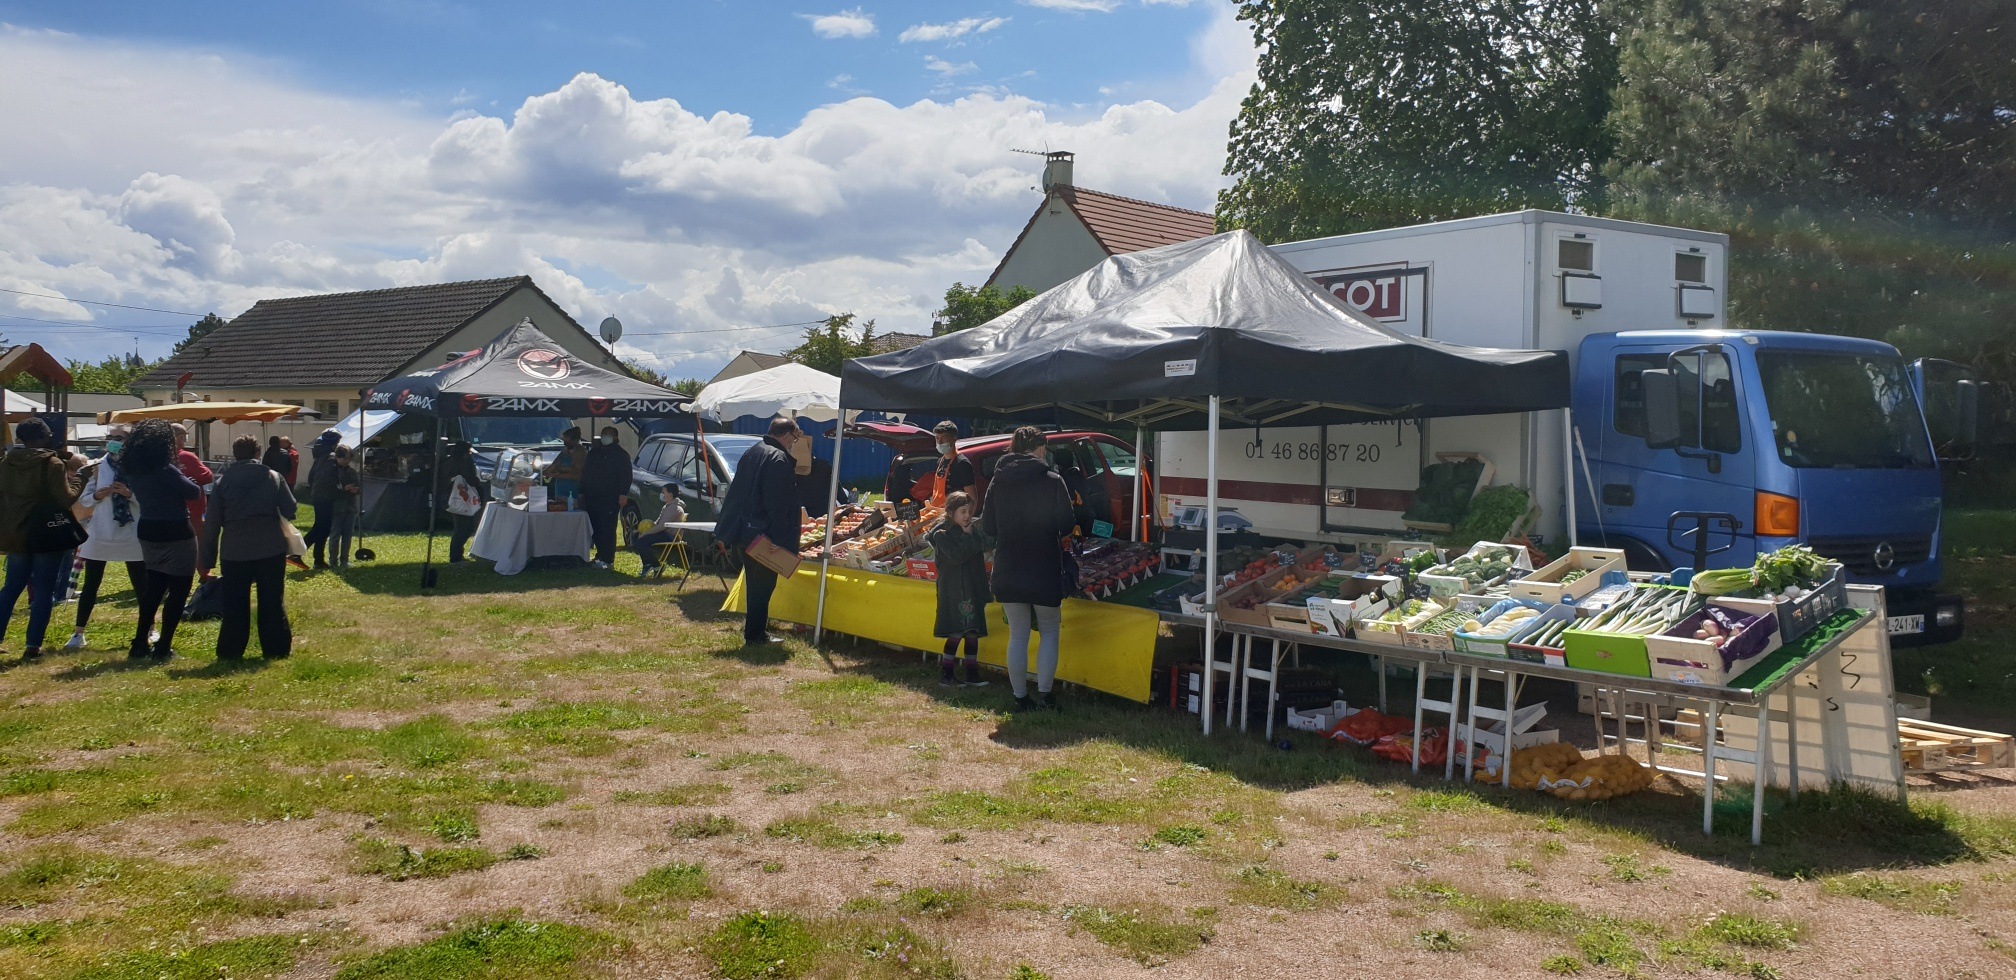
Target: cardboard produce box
<point x="1367" y="625"/>
<point x="1545" y="585"/>
<point x="1332" y="617"/>
<point x="1320" y="719"/>
<point x="1678" y="656"/>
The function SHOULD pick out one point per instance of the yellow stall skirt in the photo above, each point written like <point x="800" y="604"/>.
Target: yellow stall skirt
<point x="1104" y="646"/>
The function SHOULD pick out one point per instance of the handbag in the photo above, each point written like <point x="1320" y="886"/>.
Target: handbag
<point x="51" y="527"/>
<point x="463" y="501"/>
<point x="296" y="545"/>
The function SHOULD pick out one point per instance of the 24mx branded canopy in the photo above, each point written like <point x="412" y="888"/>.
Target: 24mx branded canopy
<point x="523" y="373"/>
<point x="1148" y="338"/>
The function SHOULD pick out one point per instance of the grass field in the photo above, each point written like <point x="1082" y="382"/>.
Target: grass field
<point x="578" y="774"/>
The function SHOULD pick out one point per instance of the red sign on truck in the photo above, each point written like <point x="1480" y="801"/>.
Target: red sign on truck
<point x="1379" y="293"/>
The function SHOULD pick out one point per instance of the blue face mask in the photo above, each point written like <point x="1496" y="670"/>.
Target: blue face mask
<point x="114" y="447"/>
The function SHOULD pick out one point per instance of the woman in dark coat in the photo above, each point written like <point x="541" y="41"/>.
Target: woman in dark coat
<point x="167" y="541"/>
<point x="961" y="554"/>
<point x="1028" y="513"/>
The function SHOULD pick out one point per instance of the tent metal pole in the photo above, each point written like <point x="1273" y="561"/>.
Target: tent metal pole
<point x="832" y="494"/>
<point x="1211" y="568"/>
<point x="433" y="488"/>
<point x="1140" y="466"/>
<point x="1568" y="470"/>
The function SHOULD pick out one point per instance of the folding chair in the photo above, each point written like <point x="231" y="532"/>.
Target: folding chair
<point x="664" y="558"/>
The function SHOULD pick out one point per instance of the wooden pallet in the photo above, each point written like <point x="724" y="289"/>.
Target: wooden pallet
<point x="1931" y="747"/>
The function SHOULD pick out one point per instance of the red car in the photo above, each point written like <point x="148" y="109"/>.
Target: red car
<point x="1098" y="467"/>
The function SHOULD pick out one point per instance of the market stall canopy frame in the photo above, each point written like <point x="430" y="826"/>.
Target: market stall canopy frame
<point x="1148" y="338"/>
<point x="523" y="373"/>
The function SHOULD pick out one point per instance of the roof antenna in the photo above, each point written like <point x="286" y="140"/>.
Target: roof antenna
<point x="1056" y="166"/>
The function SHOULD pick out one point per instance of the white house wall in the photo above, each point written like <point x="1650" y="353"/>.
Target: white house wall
<point x="1057" y="248"/>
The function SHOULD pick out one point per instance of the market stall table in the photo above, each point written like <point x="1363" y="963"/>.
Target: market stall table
<point x="1104" y="646"/>
<point x="512" y="536"/>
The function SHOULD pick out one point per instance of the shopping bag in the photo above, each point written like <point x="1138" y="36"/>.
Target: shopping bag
<point x="207" y="602"/>
<point x="463" y="500"/>
<point x="765" y="552"/>
<point x="296" y="545"/>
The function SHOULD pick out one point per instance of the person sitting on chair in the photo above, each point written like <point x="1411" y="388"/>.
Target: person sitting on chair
<point x="661" y="533"/>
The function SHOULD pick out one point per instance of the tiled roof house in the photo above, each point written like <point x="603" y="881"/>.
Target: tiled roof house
<point x="1076" y="228"/>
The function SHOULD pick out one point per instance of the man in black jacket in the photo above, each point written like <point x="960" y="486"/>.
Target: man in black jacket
<point x="605" y="480"/>
<point x="762" y="500"/>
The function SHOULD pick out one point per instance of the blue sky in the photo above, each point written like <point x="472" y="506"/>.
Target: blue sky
<point x="699" y="168"/>
<point x="763" y="59"/>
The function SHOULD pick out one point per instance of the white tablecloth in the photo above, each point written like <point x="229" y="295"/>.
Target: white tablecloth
<point x="511" y="537"/>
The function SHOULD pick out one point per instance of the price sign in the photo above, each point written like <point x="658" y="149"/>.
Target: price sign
<point x="1102" y="529"/>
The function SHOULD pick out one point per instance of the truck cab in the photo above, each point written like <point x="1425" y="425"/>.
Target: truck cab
<point x="1796" y="437"/>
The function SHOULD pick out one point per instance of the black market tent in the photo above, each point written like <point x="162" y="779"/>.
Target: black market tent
<point x="1192" y="336"/>
<point x="521" y="373"/>
<point x="1147" y="338"/>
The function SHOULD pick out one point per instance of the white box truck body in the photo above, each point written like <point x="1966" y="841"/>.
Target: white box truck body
<point x="1525" y="280"/>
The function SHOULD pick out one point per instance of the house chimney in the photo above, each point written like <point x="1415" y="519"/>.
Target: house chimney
<point x="1056" y="169"/>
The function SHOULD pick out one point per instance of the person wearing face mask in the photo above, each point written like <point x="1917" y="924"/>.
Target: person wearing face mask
<point x="814" y="477"/>
<point x="662" y="532"/>
<point x="955" y="472"/>
<point x="762" y="501"/>
<point x="605" y="481"/>
<point x="564" y="473"/>
<point x="114" y="526"/>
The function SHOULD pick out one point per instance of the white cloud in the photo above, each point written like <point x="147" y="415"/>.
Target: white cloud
<point x="847" y="23"/>
<point x="950" y="31"/>
<point x="948" y="69"/>
<point x="1093" y="6"/>
<point x="188" y="182"/>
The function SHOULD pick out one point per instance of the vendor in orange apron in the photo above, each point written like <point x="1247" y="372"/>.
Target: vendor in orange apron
<point x="955" y="472"/>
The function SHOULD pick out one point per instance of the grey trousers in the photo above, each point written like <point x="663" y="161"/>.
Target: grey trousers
<point x="1047" y="619"/>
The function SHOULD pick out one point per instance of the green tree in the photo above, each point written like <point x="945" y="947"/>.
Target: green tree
<point x="687" y="386"/>
<point x="199" y="330"/>
<point x="1369" y="114"/>
<point x="833" y="343"/>
<point x="1860" y="153"/>
<point x="645" y="372"/>
<point x="970" y="306"/>
<point x="112" y="376"/>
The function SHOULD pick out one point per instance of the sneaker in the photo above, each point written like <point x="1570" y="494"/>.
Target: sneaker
<point x="297" y="562"/>
<point x="975" y="682"/>
<point x="76" y="643"/>
<point x="1022" y="703"/>
<point x="162" y="654"/>
<point x="600" y="566"/>
<point x="1046" y="701"/>
<point x="320" y="564"/>
<point x="947" y="682"/>
<point x="138" y="651"/>
<point x="31" y="655"/>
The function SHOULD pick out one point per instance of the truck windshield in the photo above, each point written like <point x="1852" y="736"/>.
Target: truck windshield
<point x="1851" y="411"/>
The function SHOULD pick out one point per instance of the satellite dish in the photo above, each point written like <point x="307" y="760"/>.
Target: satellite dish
<point x="612" y="330"/>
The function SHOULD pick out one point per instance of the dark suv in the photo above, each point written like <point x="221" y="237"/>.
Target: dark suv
<point x="1099" y="467"/>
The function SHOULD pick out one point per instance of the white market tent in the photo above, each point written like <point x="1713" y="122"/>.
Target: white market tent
<point x="787" y="389"/>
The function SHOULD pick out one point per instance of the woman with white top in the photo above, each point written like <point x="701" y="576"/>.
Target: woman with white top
<point x="114" y="528"/>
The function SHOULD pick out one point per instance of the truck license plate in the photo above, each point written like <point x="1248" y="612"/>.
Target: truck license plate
<point x="1901" y="625"/>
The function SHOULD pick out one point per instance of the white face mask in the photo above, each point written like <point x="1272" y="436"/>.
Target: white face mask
<point x="944" y="448"/>
<point x="608" y="440"/>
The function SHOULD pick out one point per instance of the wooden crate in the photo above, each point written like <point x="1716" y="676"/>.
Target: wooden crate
<point x="1931" y="747"/>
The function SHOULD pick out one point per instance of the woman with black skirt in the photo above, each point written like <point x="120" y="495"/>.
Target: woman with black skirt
<point x="167" y="542"/>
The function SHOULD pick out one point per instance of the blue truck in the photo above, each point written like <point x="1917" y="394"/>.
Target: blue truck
<point x="1780" y="436"/>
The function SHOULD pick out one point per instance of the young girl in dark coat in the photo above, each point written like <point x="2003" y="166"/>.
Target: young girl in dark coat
<point x="960" y="551"/>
